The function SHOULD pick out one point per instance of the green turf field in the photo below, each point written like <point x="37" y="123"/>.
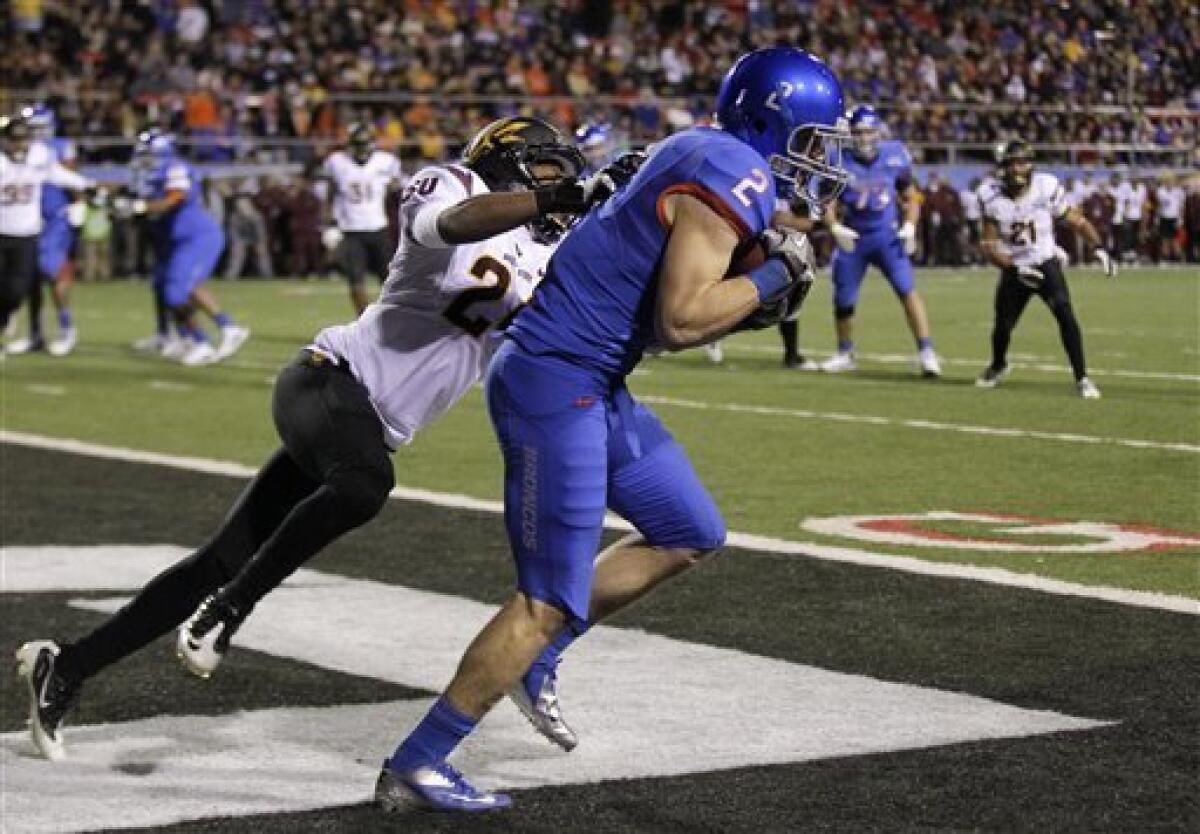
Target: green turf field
<point x="776" y="447"/>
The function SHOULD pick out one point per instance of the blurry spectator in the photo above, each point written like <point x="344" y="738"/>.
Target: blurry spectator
<point x="1131" y="204"/>
<point x="247" y="233"/>
<point x="973" y="214"/>
<point x="96" y="240"/>
<point x="1191" y="219"/>
<point x="303" y="209"/>
<point x="1170" y="197"/>
<point x="192" y="23"/>
<point x="945" y="214"/>
<point x="1100" y="208"/>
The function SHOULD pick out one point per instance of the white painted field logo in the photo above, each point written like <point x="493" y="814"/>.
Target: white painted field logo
<point x="994" y="532"/>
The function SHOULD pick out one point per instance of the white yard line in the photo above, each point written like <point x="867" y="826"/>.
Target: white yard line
<point x="748" y="541"/>
<point x="1025" y="362"/>
<point x="931" y="425"/>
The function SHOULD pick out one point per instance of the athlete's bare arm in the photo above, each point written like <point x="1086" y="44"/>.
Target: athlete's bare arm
<point x="990" y="243"/>
<point x="695" y="305"/>
<point x="487" y="215"/>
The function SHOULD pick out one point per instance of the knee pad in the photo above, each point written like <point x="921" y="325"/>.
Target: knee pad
<point x="361" y="492"/>
<point x="843" y="313"/>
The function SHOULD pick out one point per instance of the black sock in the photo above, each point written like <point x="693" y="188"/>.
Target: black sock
<point x="789" y="330"/>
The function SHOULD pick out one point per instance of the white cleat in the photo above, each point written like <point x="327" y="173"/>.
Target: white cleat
<point x="199" y="353"/>
<point x="50" y="696"/>
<point x="150" y="344"/>
<point x="64" y="344"/>
<point x="24" y="345"/>
<point x="544" y="713"/>
<point x="232" y="338"/>
<point x="931" y="368"/>
<point x="839" y="363"/>
<point x="714" y="352"/>
<point x="1088" y="389"/>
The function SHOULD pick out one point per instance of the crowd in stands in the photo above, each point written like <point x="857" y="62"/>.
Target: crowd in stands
<point x="428" y="73"/>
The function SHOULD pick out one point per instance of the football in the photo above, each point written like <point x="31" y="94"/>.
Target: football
<point x="748" y="256"/>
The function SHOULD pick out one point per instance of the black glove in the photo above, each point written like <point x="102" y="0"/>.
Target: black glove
<point x="793" y="249"/>
<point x="613" y="176"/>
<point x="574" y="196"/>
<point x="567" y="196"/>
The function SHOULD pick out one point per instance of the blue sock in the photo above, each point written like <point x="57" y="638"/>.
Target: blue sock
<point x="435" y="738"/>
<point x="546" y="661"/>
<point x="222" y="320"/>
<point x="845" y="346"/>
<point x="924" y="342"/>
<point x="64" y="319"/>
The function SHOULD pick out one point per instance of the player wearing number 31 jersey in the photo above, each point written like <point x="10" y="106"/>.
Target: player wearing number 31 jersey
<point x="466" y="262"/>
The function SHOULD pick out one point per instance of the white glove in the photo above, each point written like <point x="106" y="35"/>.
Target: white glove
<point x="139" y="207"/>
<point x="1061" y="256"/>
<point x="76" y="213"/>
<point x="331" y="237"/>
<point x="908" y="237"/>
<point x="1107" y="262"/>
<point x="845" y="237"/>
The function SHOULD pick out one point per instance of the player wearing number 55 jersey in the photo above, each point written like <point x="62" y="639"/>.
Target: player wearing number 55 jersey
<point x="357" y="393"/>
<point x="361" y="176"/>
<point x="1020" y="208"/>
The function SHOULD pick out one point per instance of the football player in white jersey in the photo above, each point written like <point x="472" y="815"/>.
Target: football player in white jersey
<point x="24" y="166"/>
<point x="1019" y="211"/>
<point x="361" y="177"/>
<point x="477" y="236"/>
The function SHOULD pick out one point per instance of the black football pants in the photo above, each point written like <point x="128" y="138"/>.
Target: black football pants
<point x="1011" y="297"/>
<point x="331" y="475"/>
<point x="18" y="270"/>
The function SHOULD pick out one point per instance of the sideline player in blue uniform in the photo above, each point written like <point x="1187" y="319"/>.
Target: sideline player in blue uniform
<point x="187" y="245"/>
<point x="644" y="269"/>
<point x="61" y="216"/>
<point x="866" y="227"/>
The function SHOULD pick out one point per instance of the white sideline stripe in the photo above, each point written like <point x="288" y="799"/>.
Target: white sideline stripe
<point x="1028" y="364"/>
<point x="932" y="425"/>
<point x="644" y="705"/>
<point x="748" y="541"/>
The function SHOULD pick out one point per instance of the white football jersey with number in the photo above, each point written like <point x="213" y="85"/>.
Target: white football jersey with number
<point x="1026" y="223"/>
<point x="359" y="191"/>
<point x="430" y="335"/>
<point x="21" y="188"/>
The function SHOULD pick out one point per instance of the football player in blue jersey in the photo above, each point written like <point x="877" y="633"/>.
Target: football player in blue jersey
<point x="187" y="245"/>
<point x="868" y="228"/>
<point x="598" y="144"/>
<point x="645" y="269"/>
<point x="61" y="216"/>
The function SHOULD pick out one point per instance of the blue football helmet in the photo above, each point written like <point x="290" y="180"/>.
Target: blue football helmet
<point x="866" y="131"/>
<point x="595" y="140"/>
<point x="41" y="121"/>
<point x="153" y="146"/>
<point x="787" y="105"/>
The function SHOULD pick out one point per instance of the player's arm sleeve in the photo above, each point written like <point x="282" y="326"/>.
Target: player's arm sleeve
<point x="64" y="177"/>
<point x="1059" y="204"/>
<point x="740" y="192"/>
<point x="430" y="192"/>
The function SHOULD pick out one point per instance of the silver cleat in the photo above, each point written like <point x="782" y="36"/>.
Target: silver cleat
<point x="544" y="713"/>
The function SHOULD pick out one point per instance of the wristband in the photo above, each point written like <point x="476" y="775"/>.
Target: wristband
<point x="770" y="279"/>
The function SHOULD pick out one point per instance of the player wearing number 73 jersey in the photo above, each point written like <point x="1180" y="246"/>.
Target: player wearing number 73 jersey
<point x="358" y="392"/>
<point x="1019" y="211"/>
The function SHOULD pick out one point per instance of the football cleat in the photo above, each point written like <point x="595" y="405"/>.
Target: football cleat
<point x="203" y="640"/>
<point x="714" y="352"/>
<point x="542" y="709"/>
<point x="839" y="363"/>
<point x="991" y="376"/>
<point x="931" y="368"/>
<point x="64" y="344"/>
<point x="174" y="348"/>
<point x="150" y="344"/>
<point x="198" y="353"/>
<point x="438" y="787"/>
<point x="25" y="344"/>
<point x="51" y="696"/>
<point x="800" y="362"/>
<point x="233" y="336"/>
<point x="1088" y="389"/>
